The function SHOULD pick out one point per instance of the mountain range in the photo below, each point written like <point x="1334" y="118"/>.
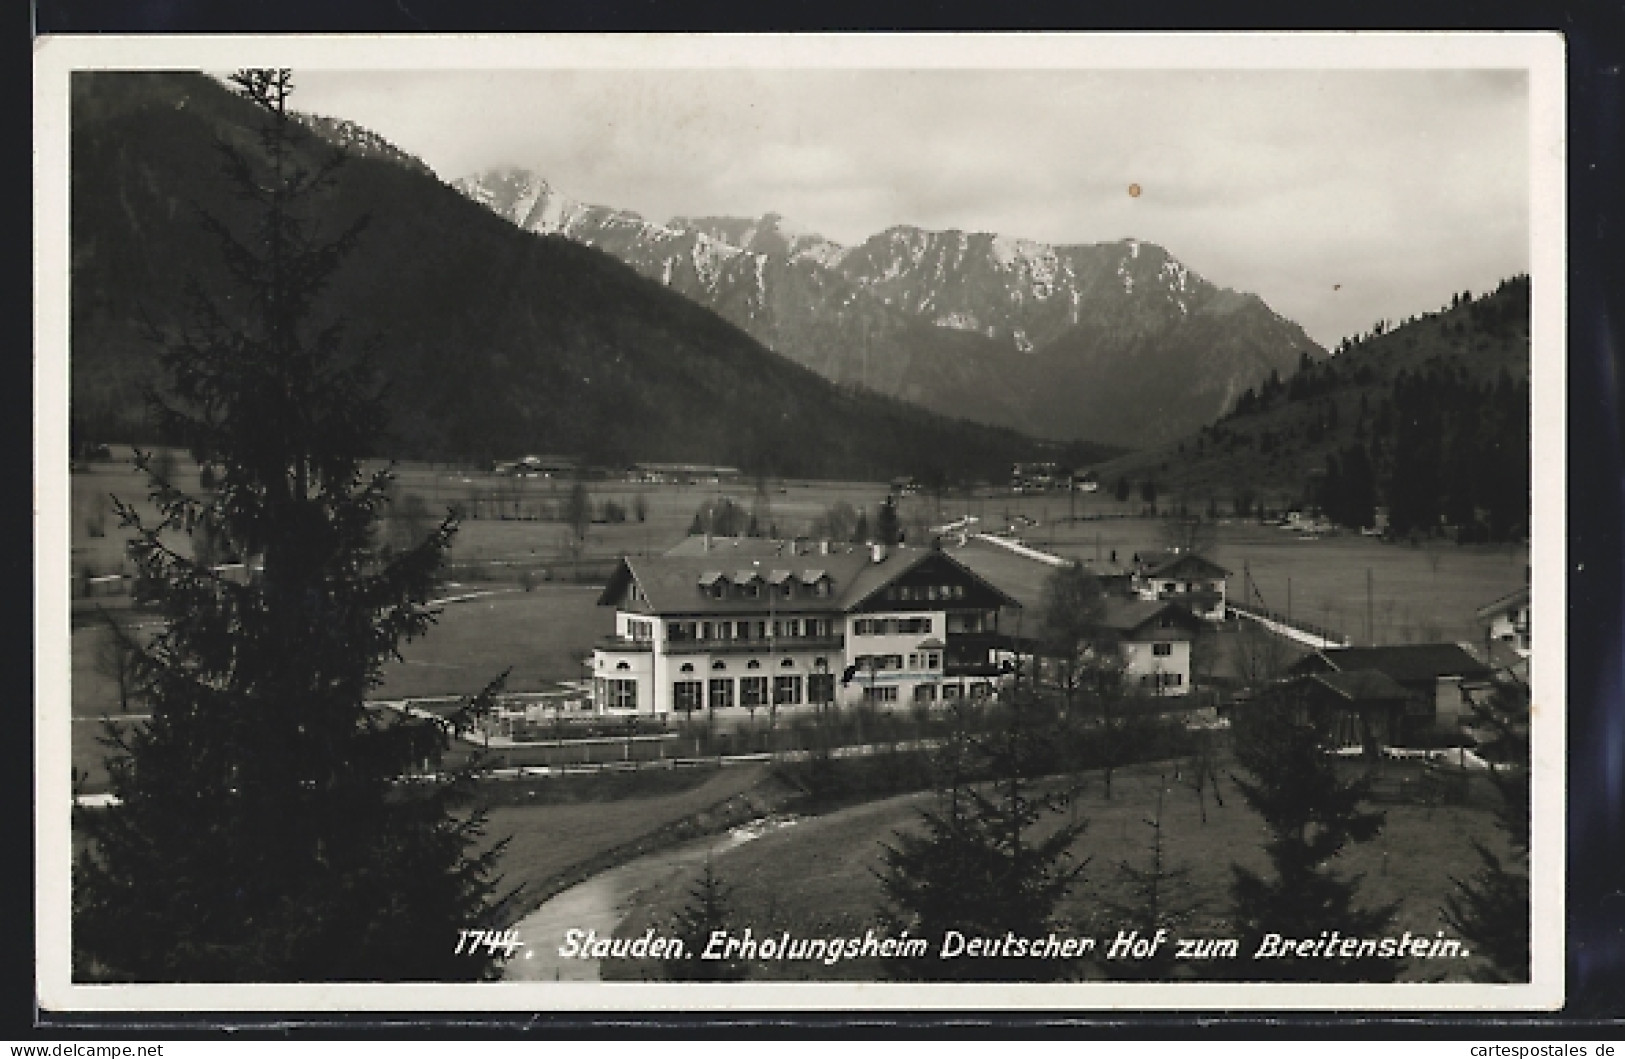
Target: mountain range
<point x="489" y="341"/>
<point x="1113" y="342"/>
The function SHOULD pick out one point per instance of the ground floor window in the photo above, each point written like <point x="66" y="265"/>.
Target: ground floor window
<point x="950" y="691"/>
<point x="981" y="690"/>
<point x="722" y="692"/>
<point x="623" y="694"/>
<point x="821" y="687"/>
<point x="885" y="694"/>
<point x="787" y="691"/>
<point x="685" y="695"/>
<point x="925" y="693"/>
<point x="752" y="691"/>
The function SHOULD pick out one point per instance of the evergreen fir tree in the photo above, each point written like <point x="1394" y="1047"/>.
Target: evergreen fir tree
<point x="1159" y="897"/>
<point x="1491" y="909"/>
<point x="979" y="866"/>
<point x="888" y="528"/>
<point x="1312" y="815"/>
<point x="709" y="909"/>
<point x="266" y="828"/>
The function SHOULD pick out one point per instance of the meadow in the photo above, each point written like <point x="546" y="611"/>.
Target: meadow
<point x="493" y="623"/>
<point x="549" y="845"/>
<point x="819" y="877"/>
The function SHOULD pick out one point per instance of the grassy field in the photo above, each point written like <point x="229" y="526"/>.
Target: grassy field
<point x="818" y="877"/>
<point x="1417" y="593"/>
<point x="541" y="634"/>
<point x="548" y="843"/>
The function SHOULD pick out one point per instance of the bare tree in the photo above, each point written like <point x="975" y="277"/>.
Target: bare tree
<point x="1070" y="629"/>
<point x="578" y="509"/>
<point x="1189" y="533"/>
<point x="116" y="658"/>
<point x="1200" y="771"/>
<point x="1258" y="655"/>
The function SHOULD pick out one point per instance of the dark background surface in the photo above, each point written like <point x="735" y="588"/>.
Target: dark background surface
<point x="1595" y="37"/>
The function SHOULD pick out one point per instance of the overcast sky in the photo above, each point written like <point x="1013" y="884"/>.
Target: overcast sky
<point x="1340" y="197"/>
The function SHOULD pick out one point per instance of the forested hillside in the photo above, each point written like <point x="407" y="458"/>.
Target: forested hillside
<point x="1428" y="418"/>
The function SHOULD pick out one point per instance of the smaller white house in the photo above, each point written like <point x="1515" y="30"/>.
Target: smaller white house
<point x="1154" y="641"/>
<point x="1506" y="620"/>
<point x="1196" y="582"/>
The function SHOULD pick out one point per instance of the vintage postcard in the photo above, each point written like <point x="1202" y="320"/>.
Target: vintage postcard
<point x="1041" y="521"/>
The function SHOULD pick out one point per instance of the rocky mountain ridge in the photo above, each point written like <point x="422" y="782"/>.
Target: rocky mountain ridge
<point x="1115" y="342"/>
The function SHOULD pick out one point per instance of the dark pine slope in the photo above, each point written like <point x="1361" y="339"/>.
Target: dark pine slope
<point x="491" y="341"/>
<point x="1429" y="418"/>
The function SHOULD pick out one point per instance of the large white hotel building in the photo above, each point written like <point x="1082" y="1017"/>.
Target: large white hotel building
<point x="718" y="623"/>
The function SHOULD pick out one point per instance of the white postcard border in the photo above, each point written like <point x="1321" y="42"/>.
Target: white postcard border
<point x="1541" y="54"/>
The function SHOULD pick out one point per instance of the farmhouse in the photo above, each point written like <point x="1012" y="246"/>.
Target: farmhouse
<point x="1034" y="477"/>
<point x="1440" y="680"/>
<point x="1506" y="621"/>
<point x="1154" y="638"/>
<point x="1197" y="582"/>
<point x="719" y="623"/>
<point x="682" y="472"/>
<point x="1365" y="707"/>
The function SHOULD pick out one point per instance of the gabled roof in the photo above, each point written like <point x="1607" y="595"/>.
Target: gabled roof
<point x="900" y="561"/>
<point x="1405" y="663"/>
<point x="674" y="582"/>
<point x="1177" y="564"/>
<point x="1516" y="598"/>
<point x="1360" y="685"/>
<point x="1127" y="616"/>
<point x="1016" y="575"/>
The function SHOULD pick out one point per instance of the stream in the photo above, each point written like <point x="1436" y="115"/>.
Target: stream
<point x="601" y="902"/>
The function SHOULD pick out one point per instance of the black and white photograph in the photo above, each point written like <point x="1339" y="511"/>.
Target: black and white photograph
<point x="682" y="521"/>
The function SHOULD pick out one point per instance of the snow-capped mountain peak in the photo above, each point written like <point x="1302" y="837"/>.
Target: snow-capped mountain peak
<point x="1007" y="330"/>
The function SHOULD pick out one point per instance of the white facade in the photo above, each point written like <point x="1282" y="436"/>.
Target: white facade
<point x="1511" y="625"/>
<point x="1191" y="580"/>
<point x="681" y="664"/>
<point x="898" y="657"/>
<point x="1157" y="667"/>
